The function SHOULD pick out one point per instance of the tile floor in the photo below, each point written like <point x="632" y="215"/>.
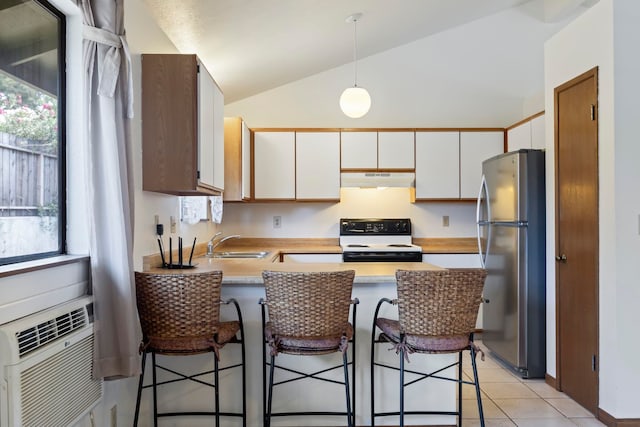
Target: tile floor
<point x="510" y="401"/>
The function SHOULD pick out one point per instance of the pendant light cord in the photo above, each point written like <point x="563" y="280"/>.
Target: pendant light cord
<point x="355" y="52"/>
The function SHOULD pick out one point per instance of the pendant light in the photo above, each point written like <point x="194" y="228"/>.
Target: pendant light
<point x="355" y="101"/>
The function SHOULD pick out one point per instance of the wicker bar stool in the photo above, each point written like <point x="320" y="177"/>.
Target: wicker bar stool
<point x="437" y="313"/>
<point x="308" y="314"/>
<point x="180" y="316"/>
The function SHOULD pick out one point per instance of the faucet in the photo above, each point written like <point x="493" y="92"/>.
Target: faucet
<point x="211" y="246"/>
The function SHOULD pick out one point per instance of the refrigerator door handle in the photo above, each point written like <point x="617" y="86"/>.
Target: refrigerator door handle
<point x="479" y="222"/>
<point x="483" y="191"/>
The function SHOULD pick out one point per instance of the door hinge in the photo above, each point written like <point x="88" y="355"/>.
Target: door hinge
<point x="593" y="363"/>
<point x="593" y="112"/>
<point x="198" y="175"/>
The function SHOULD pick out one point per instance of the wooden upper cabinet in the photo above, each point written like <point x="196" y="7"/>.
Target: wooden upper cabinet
<point x="274" y="165"/>
<point x="359" y="150"/>
<point x="182" y="127"/>
<point x="396" y="150"/>
<point x="317" y="166"/>
<point x="237" y="160"/>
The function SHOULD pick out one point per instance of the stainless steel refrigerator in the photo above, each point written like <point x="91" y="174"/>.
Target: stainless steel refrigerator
<point x="511" y="240"/>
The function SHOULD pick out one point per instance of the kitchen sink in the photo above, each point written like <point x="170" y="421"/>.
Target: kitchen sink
<point x="256" y="255"/>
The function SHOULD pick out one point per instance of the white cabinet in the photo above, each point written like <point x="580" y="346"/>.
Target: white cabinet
<point x="330" y="258"/>
<point x="359" y="150"/>
<point x="453" y="260"/>
<point x="274" y="165"/>
<point x="317" y="165"/>
<point x="210" y="130"/>
<point x="437" y="165"/>
<point x="530" y="134"/>
<point x="449" y="163"/>
<point x="538" y="136"/>
<point x="246" y="160"/>
<point x="206" y="128"/>
<point x="396" y="150"/>
<point x="519" y="137"/>
<point x="475" y="147"/>
<point x="218" y="137"/>
<point x="377" y="150"/>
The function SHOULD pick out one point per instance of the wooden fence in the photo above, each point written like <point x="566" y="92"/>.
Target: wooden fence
<point x="28" y="182"/>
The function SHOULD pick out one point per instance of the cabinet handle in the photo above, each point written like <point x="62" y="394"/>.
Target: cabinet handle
<point x="561" y="258"/>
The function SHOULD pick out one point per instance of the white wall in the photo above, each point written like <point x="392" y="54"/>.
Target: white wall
<point x="606" y="36"/>
<point x="321" y="219"/>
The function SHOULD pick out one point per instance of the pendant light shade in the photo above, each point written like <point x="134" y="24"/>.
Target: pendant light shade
<point x="355" y="101"/>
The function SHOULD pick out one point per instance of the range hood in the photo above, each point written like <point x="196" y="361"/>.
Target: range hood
<point x="377" y="179"/>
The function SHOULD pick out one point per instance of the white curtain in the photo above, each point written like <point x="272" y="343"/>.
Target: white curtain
<point x="108" y="103"/>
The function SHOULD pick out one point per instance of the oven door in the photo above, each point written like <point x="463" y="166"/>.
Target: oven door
<point x="363" y="256"/>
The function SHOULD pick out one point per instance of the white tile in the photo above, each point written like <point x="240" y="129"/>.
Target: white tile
<point x="527" y="408"/>
<point x="469" y="392"/>
<point x="587" y="422"/>
<point x="490" y="410"/>
<point x="569" y="408"/>
<point x="507" y="390"/>
<point x="501" y="422"/>
<point x="494" y="376"/>
<point x="543" y="422"/>
<point x="544" y="390"/>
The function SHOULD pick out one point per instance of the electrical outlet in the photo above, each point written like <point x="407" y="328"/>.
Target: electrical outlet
<point x="445" y="220"/>
<point x="114" y="416"/>
<point x="172" y="222"/>
<point x="277" y="221"/>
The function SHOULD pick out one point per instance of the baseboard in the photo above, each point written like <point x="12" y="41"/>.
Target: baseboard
<point x="611" y="421"/>
<point x="551" y="381"/>
<point x="603" y="415"/>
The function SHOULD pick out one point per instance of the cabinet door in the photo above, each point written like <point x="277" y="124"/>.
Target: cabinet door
<point x="476" y="147"/>
<point x="274" y="165"/>
<point x="519" y="137"/>
<point x="538" y="136"/>
<point x="396" y="150"/>
<point x="237" y="160"/>
<point x="317" y="165"/>
<point x="309" y="258"/>
<point x="437" y="165"/>
<point x="206" y="127"/>
<point x="218" y="137"/>
<point x="246" y="161"/>
<point x="359" y="150"/>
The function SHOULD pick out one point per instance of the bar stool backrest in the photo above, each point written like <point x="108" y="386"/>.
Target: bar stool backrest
<point x="439" y="303"/>
<point x="175" y="309"/>
<point x="308" y="304"/>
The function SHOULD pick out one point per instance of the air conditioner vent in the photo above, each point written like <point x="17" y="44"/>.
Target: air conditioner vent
<point x="35" y="337"/>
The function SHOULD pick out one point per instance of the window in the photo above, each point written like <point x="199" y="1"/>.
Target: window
<point x="32" y="133"/>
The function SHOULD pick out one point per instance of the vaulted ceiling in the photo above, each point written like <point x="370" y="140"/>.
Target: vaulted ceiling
<point x="255" y="45"/>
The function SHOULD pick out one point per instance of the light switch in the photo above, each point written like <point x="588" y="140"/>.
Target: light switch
<point x="445" y="220"/>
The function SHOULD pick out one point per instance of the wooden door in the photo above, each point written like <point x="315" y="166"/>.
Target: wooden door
<point x="576" y="169"/>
